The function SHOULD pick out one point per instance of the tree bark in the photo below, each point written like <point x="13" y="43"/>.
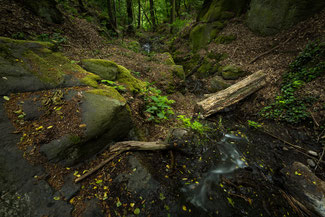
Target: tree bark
<point x="152" y="14"/>
<point x="172" y="13"/>
<point x="129" y="9"/>
<point x="139" y="14"/>
<point x="222" y="99"/>
<point x="111" y="16"/>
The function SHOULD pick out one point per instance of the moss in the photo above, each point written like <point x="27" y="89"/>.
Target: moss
<point x="109" y="92"/>
<point x="202" y="34"/>
<point x="178" y="71"/>
<point x="91" y="80"/>
<point x="124" y="77"/>
<point x="225" y="39"/>
<point x="104" y="68"/>
<point x="27" y="42"/>
<point x="134" y="46"/>
<point x="232" y="72"/>
<point x="169" y="59"/>
<point x="74" y="139"/>
<point x="207" y="68"/>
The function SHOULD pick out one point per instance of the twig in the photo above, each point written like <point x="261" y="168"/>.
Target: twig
<point x="282" y="140"/>
<point x="312" y="116"/>
<point x="320" y="159"/>
<point x="97" y="167"/>
<point x="233" y="54"/>
<point x="269" y="51"/>
<point x="318" y="138"/>
<point x="292" y="204"/>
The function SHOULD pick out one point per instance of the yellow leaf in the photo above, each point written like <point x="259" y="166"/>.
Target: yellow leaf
<point x="39" y="128"/>
<point x="49" y="127"/>
<point x="132" y="204"/>
<point x="56" y="198"/>
<point x="6" y="98"/>
<point x="82" y="125"/>
<point x="184" y="207"/>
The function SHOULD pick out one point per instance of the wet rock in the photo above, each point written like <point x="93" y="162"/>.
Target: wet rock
<point x="311" y="163"/>
<point x="312" y="153"/>
<point x="93" y="209"/>
<point x="179" y="133"/>
<point x="305" y="186"/>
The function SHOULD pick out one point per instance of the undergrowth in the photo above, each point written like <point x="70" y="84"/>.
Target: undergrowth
<point x="193" y="125"/>
<point x="289" y="106"/>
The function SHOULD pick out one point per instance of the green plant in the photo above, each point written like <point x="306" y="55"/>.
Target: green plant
<point x="193" y="125"/>
<point x="18" y="35"/>
<point x="254" y="124"/>
<point x="289" y="106"/>
<point x="157" y="106"/>
<point x="114" y="85"/>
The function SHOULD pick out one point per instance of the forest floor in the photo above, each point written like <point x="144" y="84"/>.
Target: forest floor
<point x="174" y="169"/>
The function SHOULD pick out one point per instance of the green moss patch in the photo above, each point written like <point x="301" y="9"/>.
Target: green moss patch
<point x="104" y="68"/>
<point x="109" y="92"/>
<point x="130" y="82"/>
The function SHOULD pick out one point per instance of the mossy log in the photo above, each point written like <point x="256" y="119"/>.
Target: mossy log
<point x="233" y="94"/>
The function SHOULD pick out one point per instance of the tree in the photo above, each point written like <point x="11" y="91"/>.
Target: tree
<point x="152" y="15"/>
<point x="129" y="8"/>
<point x="111" y="16"/>
<point x="139" y="14"/>
<point x="172" y="13"/>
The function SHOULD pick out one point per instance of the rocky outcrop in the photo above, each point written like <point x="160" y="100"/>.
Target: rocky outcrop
<point x="269" y="17"/>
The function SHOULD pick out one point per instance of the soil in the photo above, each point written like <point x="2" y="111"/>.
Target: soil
<point x="254" y="189"/>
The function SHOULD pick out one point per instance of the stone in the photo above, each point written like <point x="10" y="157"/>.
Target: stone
<point x="305" y="186"/>
<point x="32" y="66"/>
<point x="107" y="119"/>
<point x="311" y="163"/>
<point x="106" y="69"/>
<point x="31" y="109"/>
<point x="168" y="59"/>
<point x="217" y="83"/>
<point x="93" y="209"/>
<point x="178" y="71"/>
<point x="232" y="72"/>
<point x="179" y="133"/>
<point x="208" y="67"/>
<point x="285" y="149"/>
<point x="312" y="153"/>
<point x="268" y="17"/>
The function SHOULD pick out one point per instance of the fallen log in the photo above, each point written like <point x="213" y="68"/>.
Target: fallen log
<point x="224" y="98"/>
<point x="121" y="147"/>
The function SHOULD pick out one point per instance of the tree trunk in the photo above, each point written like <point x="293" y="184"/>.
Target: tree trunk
<point x="152" y="15"/>
<point x="172" y="13"/>
<point x="129" y="9"/>
<point x="222" y="99"/>
<point x="111" y="16"/>
<point x="178" y="7"/>
<point x="139" y="14"/>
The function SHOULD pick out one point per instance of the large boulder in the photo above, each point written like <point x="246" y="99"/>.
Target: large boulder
<point x="269" y="17"/>
<point x="46" y="9"/>
<point x="106" y="118"/>
<point x="211" y="18"/>
<point x="32" y="66"/>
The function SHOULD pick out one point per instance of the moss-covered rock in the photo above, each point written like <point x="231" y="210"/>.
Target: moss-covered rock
<point x="178" y="71"/>
<point x="217" y="83"/>
<point x="131" y="83"/>
<point x="31" y="66"/>
<point x="268" y="17"/>
<point x="104" y="68"/>
<point x="168" y="59"/>
<point x="232" y="72"/>
<point x="203" y="33"/>
<point x="107" y="118"/>
<point x="208" y="67"/>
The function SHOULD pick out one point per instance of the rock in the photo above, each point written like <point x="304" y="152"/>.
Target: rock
<point x="270" y="17"/>
<point x="217" y="83"/>
<point x="179" y="133"/>
<point x="140" y="180"/>
<point x="93" y="209"/>
<point x="32" y="66"/>
<point x="20" y="193"/>
<point x="106" y="69"/>
<point x="212" y="15"/>
<point x="31" y="109"/>
<point x="312" y="153"/>
<point x="107" y="119"/>
<point x="126" y="78"/>
<point x="232" y="72"/>
<point x="168" y="59"/>
<point x="305" y="186"/>
<point x="178" y="71"/>
<point x="208" y="67"/>
<point x="46" y="9"/>
<point x="225" y="39"/>
<point x="285" y="149"/>
<point x="311" y="163"/>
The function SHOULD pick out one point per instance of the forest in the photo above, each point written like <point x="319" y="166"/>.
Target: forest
<point x="162" y="108"/>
